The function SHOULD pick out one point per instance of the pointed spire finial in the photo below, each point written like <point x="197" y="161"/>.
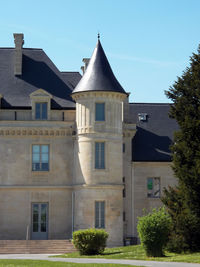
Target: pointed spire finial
<point x="98" y="36"/>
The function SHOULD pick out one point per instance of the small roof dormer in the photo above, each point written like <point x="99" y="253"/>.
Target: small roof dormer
<point x="98" y="75"/>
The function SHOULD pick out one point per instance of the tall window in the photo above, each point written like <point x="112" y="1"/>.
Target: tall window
<point x="99" y="214"/>
<point x="40" y="157"/>
<point x="41" y="111"/>
<point x="100" y="111"/>
<point x="99" y="155"/>
<point x="153" y="187"/>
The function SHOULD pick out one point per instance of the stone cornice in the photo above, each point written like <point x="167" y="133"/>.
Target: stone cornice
<point x="35" y="123"/>
<point x="113" y="95"/>
<point x="33" y="187"/>
<point x="40" y="93"/>
<point x="63" y="187"/>
<point x="99" y="186"/>
<point x="129" y="129"/>
<point x="31" y="131"/>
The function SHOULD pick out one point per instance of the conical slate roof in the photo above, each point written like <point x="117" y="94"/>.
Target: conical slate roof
<point x="98" y="75"/>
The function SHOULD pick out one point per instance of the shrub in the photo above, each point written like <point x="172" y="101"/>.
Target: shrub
<point x="90" y="241"/>
<point x="154" y="229"/>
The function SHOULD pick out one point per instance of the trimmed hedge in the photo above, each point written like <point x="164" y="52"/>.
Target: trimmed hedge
<point x="154" y="230"/>
<point x="90" y="241"/>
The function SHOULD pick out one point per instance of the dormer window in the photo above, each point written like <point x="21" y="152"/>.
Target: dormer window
<point x="142" y="116"/>
<point x="41" y="104"/>
<point x="100" y="111"/>
<point x="41" y="111"/>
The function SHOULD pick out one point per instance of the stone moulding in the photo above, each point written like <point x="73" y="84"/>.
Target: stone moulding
<point x="113" y="95"/>
<point x="35" y="187"/>
<point x="98" y="186"/>
<point x="129" y="129"/>
<point x="64" y="187"/>
<point x="14" y="131"/>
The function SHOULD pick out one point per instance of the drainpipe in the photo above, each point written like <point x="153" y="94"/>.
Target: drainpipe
<point x="27" y="232"/>
<point x="73" y="195"/>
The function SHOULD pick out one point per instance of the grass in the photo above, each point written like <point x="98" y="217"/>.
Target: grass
<point x="137" y="253"/>
<point x="41" y="263"/>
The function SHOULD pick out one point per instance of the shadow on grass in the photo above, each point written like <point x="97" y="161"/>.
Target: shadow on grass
<point x="110" y="253"/>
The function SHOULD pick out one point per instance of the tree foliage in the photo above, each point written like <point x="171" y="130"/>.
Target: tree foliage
<point x="183" y="202"/>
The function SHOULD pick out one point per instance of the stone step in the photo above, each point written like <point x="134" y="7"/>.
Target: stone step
<point x="36" y="246"/>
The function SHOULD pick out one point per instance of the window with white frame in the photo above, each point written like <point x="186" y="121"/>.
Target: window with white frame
<point x="153" y="187"/>
<point x="40" y="157"/>
<point x="99" y="155"/>
<point x="100" y="111"/>
<point x="99" y="214"/>
<point x="41" y="111"/>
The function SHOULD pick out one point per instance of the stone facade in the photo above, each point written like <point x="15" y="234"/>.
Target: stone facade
<point x="72" y="185"/>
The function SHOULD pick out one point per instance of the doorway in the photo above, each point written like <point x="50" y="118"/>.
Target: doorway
<point x="39" y="226"/>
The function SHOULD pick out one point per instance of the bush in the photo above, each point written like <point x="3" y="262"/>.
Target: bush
<point x="90" y="241"/>
<point x="154" y="229"/>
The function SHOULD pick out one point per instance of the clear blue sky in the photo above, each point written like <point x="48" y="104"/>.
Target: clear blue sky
<point x="148" y="42"/>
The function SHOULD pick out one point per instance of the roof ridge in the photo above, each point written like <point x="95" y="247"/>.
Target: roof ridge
<point x="70" y="72"/>
<point x="32" y="48"/>
<point x="24" y="48"/>
<point x="143" y="103"/>
<point x="6" y="47"/>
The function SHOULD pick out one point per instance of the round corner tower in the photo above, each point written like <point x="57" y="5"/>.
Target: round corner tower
<point x="98" y="166"/>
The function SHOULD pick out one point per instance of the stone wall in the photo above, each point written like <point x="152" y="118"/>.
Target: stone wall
<point x="20" y="186"/>
<point x="15" y="208"/>
<point x="140" y="172"/>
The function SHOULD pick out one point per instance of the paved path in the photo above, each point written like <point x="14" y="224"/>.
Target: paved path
<point x="84" y="260"/>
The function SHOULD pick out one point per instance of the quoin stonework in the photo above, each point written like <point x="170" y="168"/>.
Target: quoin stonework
<point x="74" y="152"/>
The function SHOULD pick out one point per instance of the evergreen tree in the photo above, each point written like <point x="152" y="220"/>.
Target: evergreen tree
<point x="183" y="202"/>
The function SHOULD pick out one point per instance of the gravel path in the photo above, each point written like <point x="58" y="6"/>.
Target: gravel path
<point x="84" y="260"/>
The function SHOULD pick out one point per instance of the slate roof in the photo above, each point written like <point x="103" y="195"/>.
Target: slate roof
<point x="71" y="77"/>
<point x="98" y="75"/>
<point x="153" y="136"/>
<point x="38" y="72"/>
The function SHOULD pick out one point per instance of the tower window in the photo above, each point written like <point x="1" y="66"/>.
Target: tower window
<point x="123" y="147"/>
<point x="124" y="216"/>
<point x="41" y="111"/>
<point x="99" y="155"/>
<point x="124" y="192"/>
<point x="100" y="111"/>
<point x="99" y="214"/>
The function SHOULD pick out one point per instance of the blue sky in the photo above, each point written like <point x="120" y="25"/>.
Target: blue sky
<point x="148" y="42"/>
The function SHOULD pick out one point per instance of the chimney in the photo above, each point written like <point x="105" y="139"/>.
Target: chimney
<point x="86" y="61"/>
<point x="19" y="41"/>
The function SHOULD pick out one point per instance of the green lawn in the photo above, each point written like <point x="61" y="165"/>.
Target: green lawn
<point x="137" y="253"/>
<point x="36" y="263"/>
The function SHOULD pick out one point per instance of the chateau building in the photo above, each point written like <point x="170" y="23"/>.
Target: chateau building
<point x="74" y="152"/>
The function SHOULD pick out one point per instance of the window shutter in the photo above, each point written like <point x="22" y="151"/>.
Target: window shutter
<point x="37" y="110"/>
<point x="44" y="111"/>
<point x="96" y="214"/>
<point x="96" y="155"/>
<point x="102" y="214"/>
<point x="102" y="156"/>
